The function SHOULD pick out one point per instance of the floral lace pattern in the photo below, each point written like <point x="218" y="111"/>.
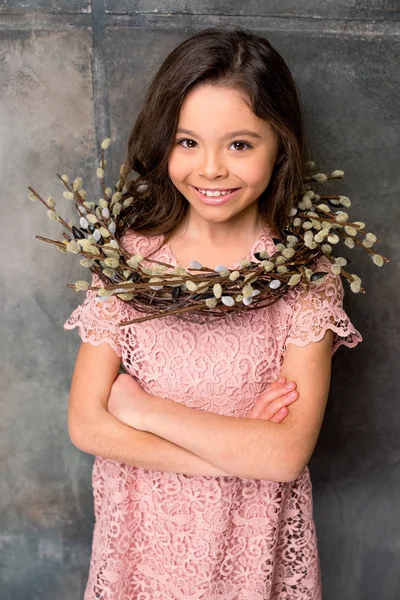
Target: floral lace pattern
<point x="170" y="536"/>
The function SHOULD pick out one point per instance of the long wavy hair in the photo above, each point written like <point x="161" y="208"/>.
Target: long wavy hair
<point x="238" y="59"/>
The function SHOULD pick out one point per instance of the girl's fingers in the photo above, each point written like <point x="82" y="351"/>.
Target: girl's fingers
<point x="274" y="384"/>
<point x="280" y="415"/>
<point x="271" y="409"/>
<point x="279" y="381"/>
<point x="266" y="408"/>
<point x="279" y="393"/>
<point x="275" y="392"/>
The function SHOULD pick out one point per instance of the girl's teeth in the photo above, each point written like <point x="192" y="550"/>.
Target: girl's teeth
<point x="212" y="194"/>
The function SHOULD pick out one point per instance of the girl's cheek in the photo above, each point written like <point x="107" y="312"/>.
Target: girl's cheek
<point x="178" y="166"/>
<point x="173" y="172"/>
<point x="256" y="173"/>
<point x="252" y="174"/>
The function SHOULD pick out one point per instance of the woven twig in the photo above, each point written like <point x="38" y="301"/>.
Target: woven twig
<point x="158" y="289"/>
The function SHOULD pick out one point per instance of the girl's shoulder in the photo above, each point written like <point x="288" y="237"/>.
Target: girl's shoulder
<point x="138" y="243"/>
<point x="328" y="288"/>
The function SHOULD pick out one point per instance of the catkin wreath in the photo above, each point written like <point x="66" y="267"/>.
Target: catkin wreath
<point x="317" y="223"/>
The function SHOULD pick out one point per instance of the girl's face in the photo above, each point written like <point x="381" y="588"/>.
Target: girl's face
<point x="223" y="155"/>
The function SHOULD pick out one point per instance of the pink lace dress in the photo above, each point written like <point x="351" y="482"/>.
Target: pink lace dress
<point x="169" y="536"/>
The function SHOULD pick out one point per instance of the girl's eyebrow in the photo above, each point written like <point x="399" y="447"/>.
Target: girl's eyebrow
<point x="228" y="135"/>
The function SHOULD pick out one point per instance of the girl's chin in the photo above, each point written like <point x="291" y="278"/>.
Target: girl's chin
<point x="214" y="214"/>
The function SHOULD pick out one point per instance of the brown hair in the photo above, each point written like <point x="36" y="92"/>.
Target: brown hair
<point x="240" y="60"/>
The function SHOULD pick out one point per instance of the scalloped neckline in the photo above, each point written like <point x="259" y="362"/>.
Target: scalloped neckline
<point x="263" y="240"/>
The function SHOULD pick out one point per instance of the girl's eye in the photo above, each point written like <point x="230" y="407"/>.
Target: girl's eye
<point x="241" y="144"/>
<point x="189" y="143"/>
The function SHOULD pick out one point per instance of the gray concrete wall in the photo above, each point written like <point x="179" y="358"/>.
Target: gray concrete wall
<point x="72" y="73"/>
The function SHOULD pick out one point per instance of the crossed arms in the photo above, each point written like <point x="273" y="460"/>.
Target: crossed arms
<point x="180" y="439"/>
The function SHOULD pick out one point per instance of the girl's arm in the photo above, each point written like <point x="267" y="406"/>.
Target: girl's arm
<point x="94" y="430"/>
<point x="252" y="448"/>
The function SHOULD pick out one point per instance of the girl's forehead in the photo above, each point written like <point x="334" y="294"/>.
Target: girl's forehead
<point x="215" y="101"/>
<point x="215" y="107"/>
<point x="216" y="92"/>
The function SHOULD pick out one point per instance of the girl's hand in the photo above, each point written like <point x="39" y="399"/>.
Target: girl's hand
<point x="128" y="402"/>
<point x="273" y="402"/>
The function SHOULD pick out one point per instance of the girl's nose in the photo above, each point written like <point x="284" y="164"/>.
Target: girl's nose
<point x="212" y="166"/>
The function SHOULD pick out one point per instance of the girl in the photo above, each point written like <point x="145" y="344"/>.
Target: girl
<point x="201" y="485"/>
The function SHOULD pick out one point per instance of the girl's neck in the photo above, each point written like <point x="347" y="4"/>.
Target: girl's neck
<point x="240" y="231"/>
<point x="214" y="243"/>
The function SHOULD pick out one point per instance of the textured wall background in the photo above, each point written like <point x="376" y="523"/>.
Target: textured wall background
<point x="74" y="72"/>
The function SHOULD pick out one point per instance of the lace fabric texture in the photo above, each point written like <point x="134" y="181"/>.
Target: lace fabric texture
<point x="170" y="536"/>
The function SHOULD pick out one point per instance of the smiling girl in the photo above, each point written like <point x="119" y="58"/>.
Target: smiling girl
<point x="200" y="482"/>
<point x="221" y="169"/>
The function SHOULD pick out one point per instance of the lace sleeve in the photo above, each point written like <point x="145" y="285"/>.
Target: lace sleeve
<point x="97" y="320"/>
<point x="320" y="308"/>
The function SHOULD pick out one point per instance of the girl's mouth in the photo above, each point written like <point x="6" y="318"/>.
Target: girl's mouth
<point x="215" y="197"/>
